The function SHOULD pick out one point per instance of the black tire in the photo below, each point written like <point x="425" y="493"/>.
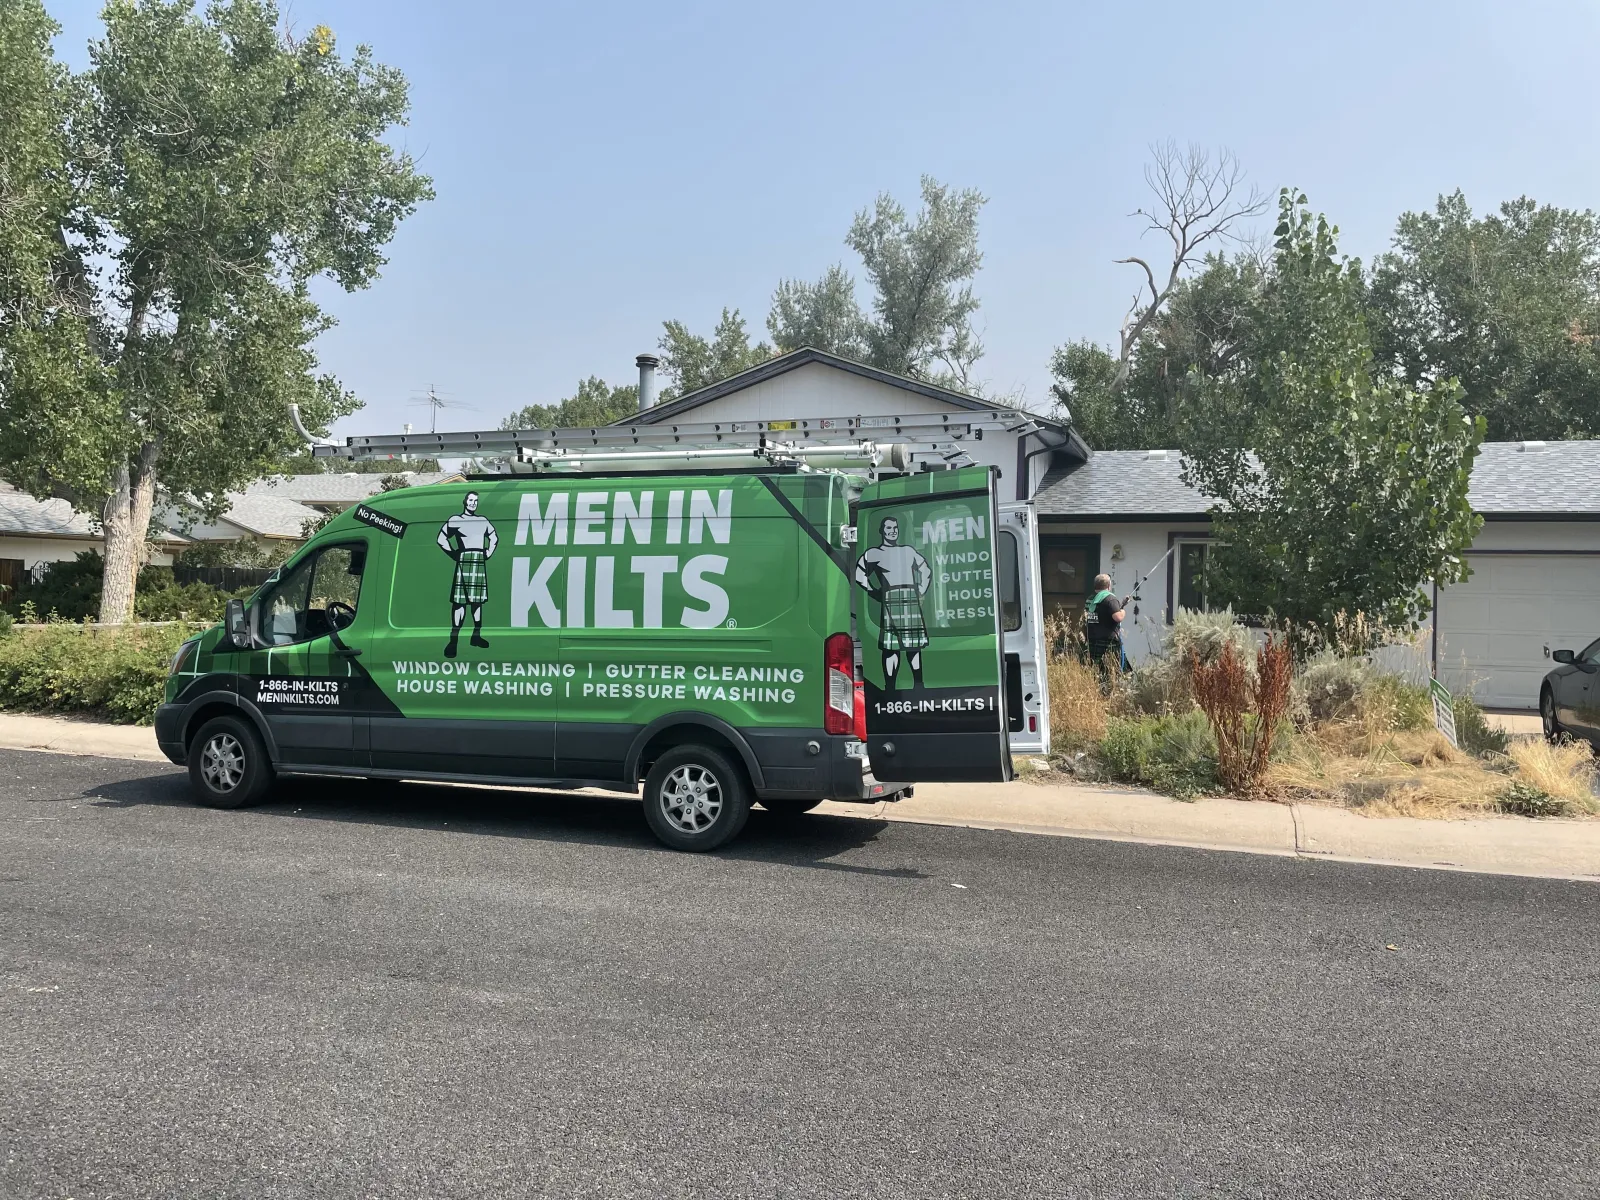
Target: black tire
<point x="228" y="764"/>
<point x="696" y="798"/>
<point x="1553" y="732"/>
<point x="789" y="808"/>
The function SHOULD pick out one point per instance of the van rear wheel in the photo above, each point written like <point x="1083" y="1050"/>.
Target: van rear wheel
<point x="228" y="765"/>
<point x="695" y="798"/>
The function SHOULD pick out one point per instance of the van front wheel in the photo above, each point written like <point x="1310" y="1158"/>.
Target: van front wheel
<point x="228" y="765"/>
<point x="695" y="798"/>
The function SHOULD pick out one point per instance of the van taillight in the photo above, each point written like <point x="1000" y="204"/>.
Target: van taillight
<point x="861" y="712"/>
<point x="839" y="672"/>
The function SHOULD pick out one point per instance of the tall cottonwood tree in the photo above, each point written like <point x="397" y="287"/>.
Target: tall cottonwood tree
<point x="218" y="166"/>
<point x="920" y="319"/>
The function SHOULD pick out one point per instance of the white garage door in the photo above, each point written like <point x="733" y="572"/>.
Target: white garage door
<point x="1493" y="629"/>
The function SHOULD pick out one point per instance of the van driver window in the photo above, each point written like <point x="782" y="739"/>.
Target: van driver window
<point x="316" y="597"/>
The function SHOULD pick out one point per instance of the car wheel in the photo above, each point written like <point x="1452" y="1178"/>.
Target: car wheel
<point x="695" y="798"/>
<point x="228" y="764"/>
<point x="1547" y="715"/>
<point x="789" y="808"/>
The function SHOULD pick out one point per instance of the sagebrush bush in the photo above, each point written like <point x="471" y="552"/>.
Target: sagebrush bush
<point x="117" y="673"/>
<point x="1329" y="687"/>
<point x="1165" y="685"/>
<point x="1172" y="754"/>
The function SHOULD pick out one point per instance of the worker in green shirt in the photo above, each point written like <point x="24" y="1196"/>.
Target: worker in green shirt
<point x="1102" y="627"/>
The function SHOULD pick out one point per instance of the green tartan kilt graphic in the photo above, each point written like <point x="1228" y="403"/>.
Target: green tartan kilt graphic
<point x="903" y="627"/>
<point x="471" y="584"/>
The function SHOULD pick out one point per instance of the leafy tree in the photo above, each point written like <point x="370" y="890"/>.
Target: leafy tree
<point x="823" y="315"/>
<point x="596" y="402"/>
<point x="1508" y="303"/>
<point x="922" y="312"/>
<point x="53" y="385"/>
<point x="1201" y="334"/>
<point x="691" y="362"/>
<point x="1336" y="488"/>
<point x="218" y="167"/>
<point x="922" y="306"/>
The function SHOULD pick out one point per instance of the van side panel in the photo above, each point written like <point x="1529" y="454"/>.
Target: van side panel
<point x="606" y="604"/>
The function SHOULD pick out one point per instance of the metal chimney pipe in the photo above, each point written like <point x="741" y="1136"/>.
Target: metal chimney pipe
<point x="647" y="364"/>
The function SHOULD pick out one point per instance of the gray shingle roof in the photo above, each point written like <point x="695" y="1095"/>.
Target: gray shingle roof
<point x="334" y="487"/>
<point x="1134" y="483"/>
<point x="268" y="516"/>
<point x="25" y="515"/>
<point x="1509" y="479"/>
<point x="1537" y="478"/>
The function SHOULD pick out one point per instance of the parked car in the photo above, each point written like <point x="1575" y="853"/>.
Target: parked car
<point x="1569" y="698"/>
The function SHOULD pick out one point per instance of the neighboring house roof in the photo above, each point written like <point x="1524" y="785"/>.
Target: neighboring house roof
<point x="24" y="515"/>
<point x="334" y="487"/>
<point x="1510" y="480"/>
<point x="1546" y="480"/>
<point x="784" y="363"/>
<point x="267" y="516"/>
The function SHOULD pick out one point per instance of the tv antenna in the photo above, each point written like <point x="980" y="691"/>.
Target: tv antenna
<point x="434" y="400"/>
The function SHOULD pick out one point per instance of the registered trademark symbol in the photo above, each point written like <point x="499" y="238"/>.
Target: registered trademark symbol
<point x="732" y="624"/>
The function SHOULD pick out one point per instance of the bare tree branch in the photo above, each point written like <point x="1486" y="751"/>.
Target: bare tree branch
<point x="1199" y="197"/>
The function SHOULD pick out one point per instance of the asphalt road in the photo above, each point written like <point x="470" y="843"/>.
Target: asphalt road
<point x="372" y="990"/>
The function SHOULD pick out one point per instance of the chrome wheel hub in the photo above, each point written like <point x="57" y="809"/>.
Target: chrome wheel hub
<point x="691" y="799"/>
<point x="222" y="762"/>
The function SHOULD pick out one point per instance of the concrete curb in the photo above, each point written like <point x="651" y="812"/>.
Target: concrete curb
<point x="1504" y="845"/>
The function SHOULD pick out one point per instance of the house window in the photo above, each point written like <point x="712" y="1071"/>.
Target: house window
<point x="1191" y="557"/>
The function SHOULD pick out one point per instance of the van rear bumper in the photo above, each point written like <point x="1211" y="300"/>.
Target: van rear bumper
<point x="813" y="765"/>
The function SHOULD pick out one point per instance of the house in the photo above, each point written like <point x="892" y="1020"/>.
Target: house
<point x="1534" y="587"/>
<point x="35" y="533"/>
<point x="1535" y="583"/>
<point x="333" y="491"/>
<point x="812" y="383"/>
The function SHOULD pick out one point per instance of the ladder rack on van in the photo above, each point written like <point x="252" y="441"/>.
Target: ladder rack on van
<point x="825" y="442"/>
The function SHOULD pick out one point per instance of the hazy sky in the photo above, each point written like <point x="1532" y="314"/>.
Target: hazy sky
<point x="601" y="167"/>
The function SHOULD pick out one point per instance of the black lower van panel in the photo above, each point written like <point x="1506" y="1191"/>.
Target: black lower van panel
<point x="593" y="750"/>
<point x="505" y="748"/>
<point x="951" y="757"/>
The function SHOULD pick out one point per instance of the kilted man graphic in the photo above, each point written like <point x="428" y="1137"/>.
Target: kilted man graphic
<point x="898" y="576"/>
<point x="470" y="540"/>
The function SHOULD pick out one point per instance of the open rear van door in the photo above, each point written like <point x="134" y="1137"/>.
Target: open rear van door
<point x="1022" y="628"/>
<point x="928" y="618"/>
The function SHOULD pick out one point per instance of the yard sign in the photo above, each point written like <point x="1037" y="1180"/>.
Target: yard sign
<point x="1444" y="713"/>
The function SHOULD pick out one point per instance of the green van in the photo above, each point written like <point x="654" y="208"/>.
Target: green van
<point x="696" y="632"/>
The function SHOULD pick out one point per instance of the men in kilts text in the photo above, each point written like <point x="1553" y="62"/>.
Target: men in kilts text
<point x="898" y="578"/>
<point x="471" y="541"/>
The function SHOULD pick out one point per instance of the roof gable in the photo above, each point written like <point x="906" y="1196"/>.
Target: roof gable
<point x="784" y="363"/>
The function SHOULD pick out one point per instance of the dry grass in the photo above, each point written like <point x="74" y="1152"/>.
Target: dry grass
<point x="1077" y="709"/>
<point x="1419" y="774"/>
<point x="1565" y="772"/>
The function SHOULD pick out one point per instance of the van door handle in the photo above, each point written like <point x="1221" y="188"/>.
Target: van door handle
<point x="349" y="651"/>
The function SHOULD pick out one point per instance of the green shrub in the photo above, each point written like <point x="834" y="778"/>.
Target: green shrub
<point x="1329" y="688"/>
<point x="6" y="621"/>
<point x="1474" y="734"/>
<point x="117" y="673"/>
<point x="69" y="590"/>
<point x="1524" y="799"/>
<point x="1390" y="702"/>
<point x="1174" y="754"/>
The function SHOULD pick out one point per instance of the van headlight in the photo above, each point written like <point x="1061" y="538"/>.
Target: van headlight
<point x="179" y="658"/>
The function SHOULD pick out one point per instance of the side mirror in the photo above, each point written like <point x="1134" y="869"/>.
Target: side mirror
<point x="1563" y="656"/>
<point x="237" y="624"/>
